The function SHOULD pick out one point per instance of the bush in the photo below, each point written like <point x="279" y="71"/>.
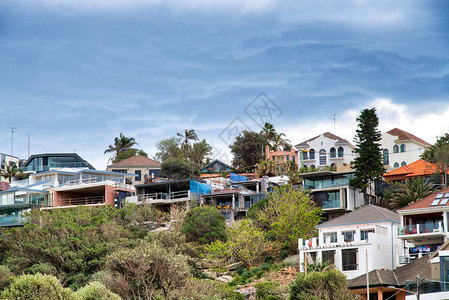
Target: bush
<point x="327" y="285"/>
<point x="43" y="268"/>
<point x="204" y="225"/>
<point x="205" y="290"/>
<point x="268" y="291"/>
<point x="95" y="291"/>
<point x="5" y="277"/>
<point x="38" y="286"/>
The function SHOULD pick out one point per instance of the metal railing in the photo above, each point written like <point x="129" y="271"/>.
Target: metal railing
<point x="94" y="200"/>
<point x="153" y="197"/>
<point x="428" y="227"/>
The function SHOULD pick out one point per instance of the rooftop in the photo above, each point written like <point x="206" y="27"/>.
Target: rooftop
<point x="329" y="136"/>
<point x="404" y="136"/>
<point x="136" y="161"/>
<point x="415" y="169"/>
<point x="427" y="201"/>
<point x="366" y="214"/>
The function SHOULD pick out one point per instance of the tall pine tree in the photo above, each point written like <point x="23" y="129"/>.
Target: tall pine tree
<point x="368" y="164"/>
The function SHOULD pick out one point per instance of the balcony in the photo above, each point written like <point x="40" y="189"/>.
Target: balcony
<point x="165" y="198"/>
<point x="331" y="204"/>
<point x="314" y="243"/>
<point x="431" y="230"/>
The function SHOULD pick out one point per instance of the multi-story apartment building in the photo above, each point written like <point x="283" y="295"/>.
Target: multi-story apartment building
<point x="400" y="148"/>
<point x="355" y="243"/>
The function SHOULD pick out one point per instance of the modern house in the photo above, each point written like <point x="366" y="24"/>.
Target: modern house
<point x="216" y="167"/>
<point x="326" y="149"/>
<point x="355" y="243"/>
<point x="48" y="161"/>
<point x="424" y="225"/>
<point x="61" y="188"/>
<point x="333" y="191"/>
<point x="400" y="148"/>
<point x="417" y="169"/>
<point x="163" y="194"/>
<point x="7" y="160"/>
<point x="143" y="167"/>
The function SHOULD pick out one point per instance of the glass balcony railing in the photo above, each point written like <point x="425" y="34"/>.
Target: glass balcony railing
<point x="427" y="227"/>
<point x="53" y="166"/>
<point x="331" y="204"/>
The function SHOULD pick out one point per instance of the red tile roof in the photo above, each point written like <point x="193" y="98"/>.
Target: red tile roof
<point x="137" y="161"/>
<point x="404" y="135"/>
<point x="426" y="202"/>
<point x="418" y="168"/>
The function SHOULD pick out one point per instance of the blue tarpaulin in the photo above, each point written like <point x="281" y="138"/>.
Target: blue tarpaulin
<point x="199" y="188"/>
<point x="237" y="177"/>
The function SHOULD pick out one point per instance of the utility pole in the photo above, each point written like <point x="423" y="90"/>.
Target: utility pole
<point x="367" y="275"/>
<point x="12" y="138"/>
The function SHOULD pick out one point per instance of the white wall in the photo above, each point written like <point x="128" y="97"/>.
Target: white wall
<point x="412" y="153"/>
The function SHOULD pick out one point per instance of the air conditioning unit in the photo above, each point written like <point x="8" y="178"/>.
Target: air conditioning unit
<point x="401" y="259"/>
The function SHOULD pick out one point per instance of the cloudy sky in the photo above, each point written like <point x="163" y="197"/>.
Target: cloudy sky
<point x="74" y="74"/>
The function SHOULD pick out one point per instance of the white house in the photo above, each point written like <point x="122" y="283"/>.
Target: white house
<point x="400" y="148"/>
<point x="326" y="149"/>
<point x="356" y="242"/>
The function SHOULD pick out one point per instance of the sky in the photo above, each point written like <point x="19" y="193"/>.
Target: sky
<point x="75" y="74"/>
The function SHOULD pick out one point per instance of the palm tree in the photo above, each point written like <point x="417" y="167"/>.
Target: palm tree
<point x="268" y="132"/>
<point x="11" y="171"/>
<point x="121" y="144"/>
<point x="199" y="152"/>
<point x="188" y="135"/>
<point x="411" y="191"/>
<point x="266" y="167"/>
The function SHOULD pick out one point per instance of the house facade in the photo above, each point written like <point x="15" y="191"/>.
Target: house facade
<point x="280" y="157"/>
<point x="355" y="243"/>
<point x="7" y="160"/>
<point x="48" y="161"/>
<point x="326" y="149"/>
<point x="400" y="148"/>
<point x="216" y="167"/>
<point x="144" y="168"/>
<point x="333" y="192"/>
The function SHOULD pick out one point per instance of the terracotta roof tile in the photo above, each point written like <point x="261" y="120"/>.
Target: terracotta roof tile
<point x="404" y="135"/>
<point x="415" y="169"/>
<point x="137" y="161"/>
<point x="426" y="202"/>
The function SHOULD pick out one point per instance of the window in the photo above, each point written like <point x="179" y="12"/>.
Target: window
<point x="139" y="175"/>
<point x="396" y="165"/>
<point x="348" y="235"/>
<point x="288" y="157"/>
<point x="395" y="149"/>
<point x="293" y="158"/>
<point x="312" y="154"/>
<point x="402" y="147"/>
<point x="329" y="256"/>
<point x="333" y="153"/>
<point x="118" y="171"/>
<point x="304" y="154"/>
<point x="330" y="237"/>
<point x="322" y="157"/>
<point x="403" y="163"/>
<point x="349" y="259"/>
<point x="311" y="257"/>
<point x="364" y="234"/>
<point x="386" y="158"/>
<point x="341" y="152"/>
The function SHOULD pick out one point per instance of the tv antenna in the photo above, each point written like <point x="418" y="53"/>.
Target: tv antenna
<point x="12" y="137"/>
<point x="333" y="118"/>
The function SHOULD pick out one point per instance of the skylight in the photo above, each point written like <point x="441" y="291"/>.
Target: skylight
<point x="437" y="199"/>
<point x="445" y="199"/>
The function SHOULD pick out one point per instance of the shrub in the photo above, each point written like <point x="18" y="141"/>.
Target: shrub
<point x="5" y="277"/>
<point x="204" y="225"/>
<point x="38" y="286"/>
<point x="95" y="291"/>
<point x="268" y="291"/>
<point x="204" y="290"/>
<point x="43" y="268"/>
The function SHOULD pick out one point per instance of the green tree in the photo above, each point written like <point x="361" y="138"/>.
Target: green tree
<point x="179" y="169"/>
<point x="410" y="192"/>
<point x="247" y="150"/>
<point x="266" y="167"/>
<point x="368" y="164"/>
<point x="289" y="214"/>
<point x="189" y="134"/>
<point x="204" y="225"/>
<point x="5" y="277"/>
<point x="328" y="285"/>
<point x="218" y="252"/>
<point x="38" y="286"/>
<point x="246" y="242"/>
<point x="121" y="144"/>
<point x="169" y="149"/>
<point x="11" y="171"/>
<point x="429" y="153"/>
<point x="200" y="152"/>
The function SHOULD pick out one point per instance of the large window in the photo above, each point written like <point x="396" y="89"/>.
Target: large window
<point x="403" y="163"/>
<point x="402" y="147"/>
<point x="304" y="154"/>
<point x="364" y="234"/>
<point x="349" y="259"/>
<point x="333" y="153"/>
<point x="396" y="165"/>
<point x="329" y="256"/>
<point x="395" y="149"/>
<point x="348" y="235"/>
<point x="312" y="154"/>
<point x="341" y="152"/>
<point x="330" y="237"/>
<point x="139" y="175"/>
<point x="322" y="157"/>
<point x="333" y="200"/>
<point x="386" y="157"/>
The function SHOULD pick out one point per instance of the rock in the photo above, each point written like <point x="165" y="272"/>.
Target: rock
<point x="292" y="259"/>
<point x="224" y="279"/>
<point x="210" y="273"/>
<point x="249" y="293"/>
<point x="233" y="266"/>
